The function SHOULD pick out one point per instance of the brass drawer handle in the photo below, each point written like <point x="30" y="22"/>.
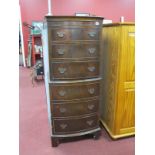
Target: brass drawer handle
<point x="91" y="69"/>
<point x="62" y="110"/>
<point x="60" y="51"/>
<point x="62" y="93"/>
<point x="91" y="90"/>
<point x="63" y="126"/>
<point x="91" y="106"/>
<point x="61" y="34"/>
<point x="90" y="122"/>
<point x="91" y="50"/>
<point x="92" y="34"/>
<point x="62" y="70"/>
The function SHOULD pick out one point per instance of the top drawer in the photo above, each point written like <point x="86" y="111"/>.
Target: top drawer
<point x="74" y="34"/>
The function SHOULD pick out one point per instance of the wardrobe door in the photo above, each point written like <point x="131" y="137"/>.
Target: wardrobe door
<point x="126" y="108"/>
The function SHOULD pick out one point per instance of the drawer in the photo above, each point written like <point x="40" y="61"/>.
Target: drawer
<point x="74" y="34"/>
<point x="74" y="51"/>
<point x="63" y="92"/>
<point x="75" y="108"/>
<point x="74" y="70"/>
<point x="75" y="124"/>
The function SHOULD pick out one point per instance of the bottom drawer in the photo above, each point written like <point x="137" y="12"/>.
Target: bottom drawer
<point x="63" y="126"/>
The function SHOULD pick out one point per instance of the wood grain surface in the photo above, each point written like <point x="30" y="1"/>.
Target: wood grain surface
<point x="118" y="103"/>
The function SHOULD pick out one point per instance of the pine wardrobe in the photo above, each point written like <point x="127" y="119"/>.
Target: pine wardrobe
<point x="117" y="108"/>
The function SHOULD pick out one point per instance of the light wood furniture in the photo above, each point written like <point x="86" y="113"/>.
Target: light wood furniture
<point x="72" y="75"/>
<point x="118" y="101"/>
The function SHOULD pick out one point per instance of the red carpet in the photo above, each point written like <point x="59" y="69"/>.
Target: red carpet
<point x="34" y="128"/>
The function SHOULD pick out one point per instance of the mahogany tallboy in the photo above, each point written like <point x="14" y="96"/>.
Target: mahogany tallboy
<point x="117" y="108"/>
<point x="72" y="68"/>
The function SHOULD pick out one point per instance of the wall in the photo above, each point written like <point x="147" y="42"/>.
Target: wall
<point x="31" y="10"/>
<point x="110" y="9"/>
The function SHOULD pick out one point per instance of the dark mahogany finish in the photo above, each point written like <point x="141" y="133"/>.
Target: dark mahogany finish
<point x="74" y="70"/>
<point x="75" y="108"/>
<point x="62" y="92"/>
<point x="74" y="51"/>
<point x="63" y="126"/>
<point x="74" y="34"/>
<point x="74" y="75"/>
